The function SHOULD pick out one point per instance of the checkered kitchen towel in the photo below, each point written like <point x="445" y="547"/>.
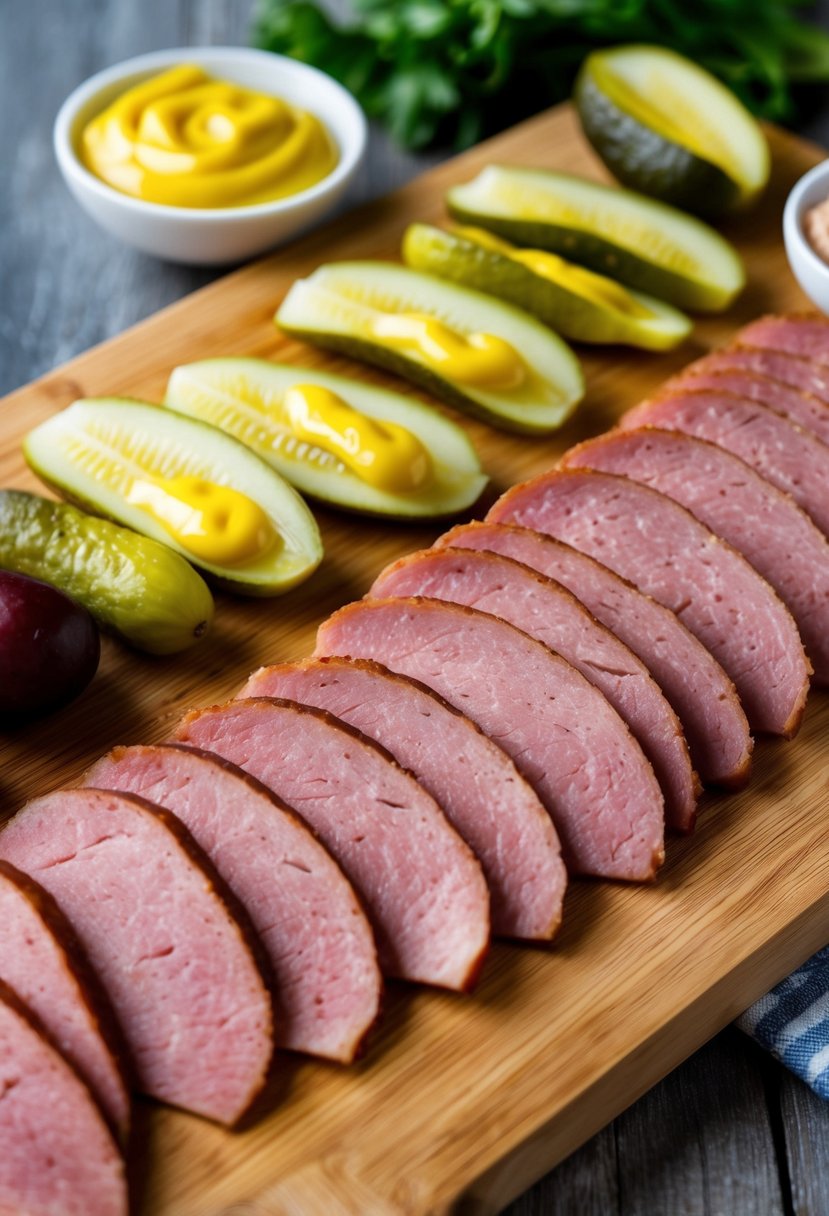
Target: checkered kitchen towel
<point x="792" y="1022"/>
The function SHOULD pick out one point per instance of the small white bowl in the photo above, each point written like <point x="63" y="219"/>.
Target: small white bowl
<point x="810" y="270"/>
<point x="216" y="235"/>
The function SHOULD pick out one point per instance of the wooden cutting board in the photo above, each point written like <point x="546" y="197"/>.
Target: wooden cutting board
<point x="461" y="1102"/>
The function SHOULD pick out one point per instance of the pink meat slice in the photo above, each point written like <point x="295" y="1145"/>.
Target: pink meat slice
<point x="58" y="1155"/>
<point x="43" y="961"/>
<point x="549" y="612"/>
<point x="320" y="946"/>
<point x="801" y="374"/>
<point x="423" y="888"/>
<point x="802" y="408"/>
<point x="765" y="525"/>
<point x="561" y="732"/>
<point x="700" y="692"/>
<point x="794" y="460"/>
<point x="667" y="553"/>
<point x="176" y="962"/>
<point x="484" y="796"/>
<point x="805" y="335"/>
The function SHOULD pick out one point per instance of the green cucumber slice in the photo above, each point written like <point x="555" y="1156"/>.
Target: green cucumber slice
<point x="241" y="397"/>
<point x="457" y="256"/>
<point x="665" y="126"/>
<point x="92" y="452"/>
<point x="337" y="306"/>
<point x="645" y="244"/>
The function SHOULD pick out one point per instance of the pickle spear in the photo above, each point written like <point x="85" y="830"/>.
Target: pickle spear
<point x="579" y="303"/>
<point x="361" y="448"/>
<point x="665" y="126"/>
<point x="480" y="355"/>
<point x="133" y="587"/>
<point x="183" y="483"/>
<point x="645" y="244"/>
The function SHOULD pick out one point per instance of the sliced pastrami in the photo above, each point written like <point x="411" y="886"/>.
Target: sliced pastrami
<point x="803" y="334"/>
<point x="484" y="796"/>
<point x="549" y="612"/>
<point x="176" y="962"/>
<point x="43" y="961"/>
<point x="696" y="686"/>
<point x="58" y="1157"/>
<point x="802" y="408"/>
<point x="423" y="888"/>
<point x="667" y="553"/>
<point x="765" y="525"/>
<point x="563" y="735"/>
<point x="320" y="947"/>
<point x="792" y="459"/>
<point x="810" y="378"/>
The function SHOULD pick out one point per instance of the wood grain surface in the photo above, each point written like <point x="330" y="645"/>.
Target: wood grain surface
<point x="461" y="1102"/>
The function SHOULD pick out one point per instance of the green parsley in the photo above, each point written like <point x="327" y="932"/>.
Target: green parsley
<point x="452" y="71"/>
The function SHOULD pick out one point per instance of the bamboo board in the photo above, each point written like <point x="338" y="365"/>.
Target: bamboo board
<point x="461" y="1102"/>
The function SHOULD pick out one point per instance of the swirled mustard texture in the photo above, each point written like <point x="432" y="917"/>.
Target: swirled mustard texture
<point x="187" y="140"/>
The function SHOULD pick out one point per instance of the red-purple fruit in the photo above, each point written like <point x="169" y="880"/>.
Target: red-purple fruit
<point x="49" y="646"/>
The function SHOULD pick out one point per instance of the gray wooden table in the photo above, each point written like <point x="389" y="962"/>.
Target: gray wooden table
<point x="730" y="1133"/>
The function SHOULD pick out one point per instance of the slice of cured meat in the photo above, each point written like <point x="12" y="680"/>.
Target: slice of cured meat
<point x="802" y="408"/>
<point x="484" y="796"/>
<point x="667" y="553"/>
<point x="794" y="460"/>
<point x="697" y="687"/>
<point x="175" y="961"/>
<point x="319" y="944"/>
<point x="549" y="612"/>
<point x="562" y="734"/>
<point x="58" y="1157"/>
<point x="810" y="378"/>
<point x="43" y="961"/>
<point x="767" y="527"/>
<point x="803" y="334"/>
<point x="422" y="887"/>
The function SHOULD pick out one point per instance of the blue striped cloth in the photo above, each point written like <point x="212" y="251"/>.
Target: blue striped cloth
<point x="792" y="1022"/>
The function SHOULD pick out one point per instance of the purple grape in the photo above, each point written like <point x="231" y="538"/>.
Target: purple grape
<point x="49" y="646"/>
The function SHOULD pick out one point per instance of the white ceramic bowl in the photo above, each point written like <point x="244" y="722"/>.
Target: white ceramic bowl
<point x="810" y="270"/>
<point x="220" y="235"/>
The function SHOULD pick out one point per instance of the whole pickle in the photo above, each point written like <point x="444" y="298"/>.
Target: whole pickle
<point x="133" y="586"/>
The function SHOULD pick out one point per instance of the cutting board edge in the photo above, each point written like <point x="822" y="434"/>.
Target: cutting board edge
<point x="500" y="1184"/>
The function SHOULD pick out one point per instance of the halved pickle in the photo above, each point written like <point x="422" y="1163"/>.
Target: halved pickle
<point x="247" y="399"/>
<point x="646" y="244"/>
<point x="183" y="483"/>
<point x="579" y="303"/>
<point x="482" y="356"/>
<point x="667" y="127"/>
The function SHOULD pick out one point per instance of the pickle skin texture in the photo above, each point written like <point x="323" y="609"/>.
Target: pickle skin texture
<point x="133" y="586"/>
<point x="629" y="260"/>
<point x="459" y="259"/>
<point x="644" y="160"/>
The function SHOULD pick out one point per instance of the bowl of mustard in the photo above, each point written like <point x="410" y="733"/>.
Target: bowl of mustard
<point x="209" y="155"/>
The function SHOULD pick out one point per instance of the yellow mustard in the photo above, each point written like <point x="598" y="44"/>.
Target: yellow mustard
<point x="187" y="140"/>
<point x="215" y="523"/>
<point x="596" y="288"/>
<point x="484" y="360"/>
<point x="381" y="453"/>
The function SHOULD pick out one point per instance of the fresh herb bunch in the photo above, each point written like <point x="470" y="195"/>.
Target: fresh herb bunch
<point x="451" y="71"/>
